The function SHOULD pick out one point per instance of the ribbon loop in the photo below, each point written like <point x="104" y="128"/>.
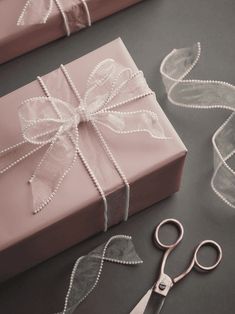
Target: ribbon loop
<point x="132" y="122"/>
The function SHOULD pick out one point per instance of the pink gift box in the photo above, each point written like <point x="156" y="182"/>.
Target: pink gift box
<point x="153" y="168"/>
<point x="16" y="40"/>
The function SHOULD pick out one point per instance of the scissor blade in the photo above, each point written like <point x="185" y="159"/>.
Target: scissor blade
<point x="155" y="303"/>
<point x="151" y="303"/>
<point x="140" y="307"/>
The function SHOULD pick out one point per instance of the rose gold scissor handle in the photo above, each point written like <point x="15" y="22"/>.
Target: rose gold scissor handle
<point x="169" y="248"/>
<point x="165" y="282"/>
<point x="179" y="227"/>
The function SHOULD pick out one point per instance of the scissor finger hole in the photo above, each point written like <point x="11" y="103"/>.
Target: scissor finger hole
<point x="172" y="235"/>
<point x="208" y="252"/>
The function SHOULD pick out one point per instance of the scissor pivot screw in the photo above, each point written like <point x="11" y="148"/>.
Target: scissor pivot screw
<point x="162" y="286"/>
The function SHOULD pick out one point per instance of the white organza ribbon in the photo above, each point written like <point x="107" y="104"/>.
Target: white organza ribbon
<point x="38" y="12"/>
<point x="54" y="124"/>
<point x="205" y="95"/>
<point x="88" y="269"/>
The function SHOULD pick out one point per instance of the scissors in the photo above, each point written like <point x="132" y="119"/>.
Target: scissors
<point x="152" y="302"/>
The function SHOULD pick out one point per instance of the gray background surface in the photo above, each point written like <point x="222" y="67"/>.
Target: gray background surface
<point x="150" y="30"/>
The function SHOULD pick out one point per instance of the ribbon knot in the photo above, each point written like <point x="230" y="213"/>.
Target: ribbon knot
<point x="82" y="114"/>
<point x="54" y="124"/>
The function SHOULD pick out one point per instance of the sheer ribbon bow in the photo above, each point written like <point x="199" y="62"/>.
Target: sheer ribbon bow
<point x="75" y="14"/>
<point x="54" y="124"/>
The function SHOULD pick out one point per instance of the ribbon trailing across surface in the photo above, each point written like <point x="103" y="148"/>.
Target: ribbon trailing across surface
<point x="74" y="13"/>
<point x="56" y="126"/>
<point x="205" y="95"/>
<point x="88" y="269"/>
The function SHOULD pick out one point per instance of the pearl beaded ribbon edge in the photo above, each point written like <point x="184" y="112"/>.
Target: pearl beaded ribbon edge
<point x="87" y="269"/>
<point x="54" y="124"/>
<point x="43" y="8"/>
<point x="201" y="94"/>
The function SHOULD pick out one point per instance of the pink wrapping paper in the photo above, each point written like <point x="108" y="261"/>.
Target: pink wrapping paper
<point x="17" y="40"/>
<point x="153" y="169"/>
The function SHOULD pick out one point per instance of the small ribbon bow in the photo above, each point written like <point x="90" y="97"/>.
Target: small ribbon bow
<point x="39" y="11"/>
<point x="55" y="124"/>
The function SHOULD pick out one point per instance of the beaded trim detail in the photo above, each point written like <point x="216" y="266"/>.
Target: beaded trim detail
<point x="47" y="121"/>
<point x="21" y="19"/>
<point x="123" y="245"/>
<point x="205" y="94"/>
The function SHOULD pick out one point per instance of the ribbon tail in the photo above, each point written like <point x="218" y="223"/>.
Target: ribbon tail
<point x="119" y="250"/>
<point x="35" y="12"/>
<point x="201" y="94"/>
<point x="223" y="179"/>
<point x="13" y="155"/>
<point x="177" y="64"/>
<point x="193" y="93"/>
<point x="51" y="171"/>
<point x="88" y="269"/>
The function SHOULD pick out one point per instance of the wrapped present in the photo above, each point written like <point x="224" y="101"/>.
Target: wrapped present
<point x="29" y="24"/>
<point x="82" y="148"/>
